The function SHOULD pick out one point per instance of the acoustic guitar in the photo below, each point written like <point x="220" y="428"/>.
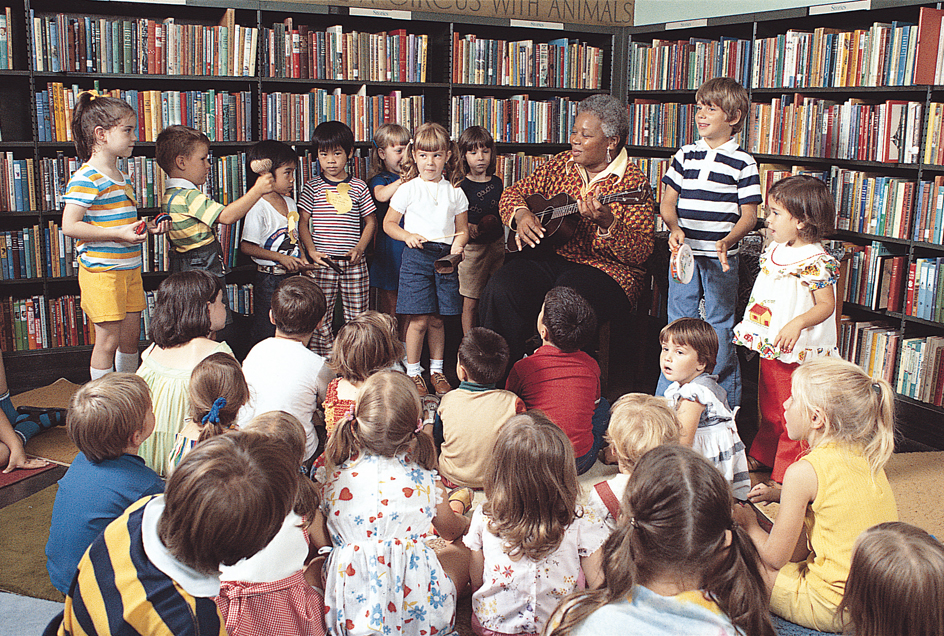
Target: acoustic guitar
<point x="559" y="216"/>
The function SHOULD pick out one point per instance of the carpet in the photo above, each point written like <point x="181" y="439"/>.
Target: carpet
<point x="19" y="475"/>
<point x="53" y="444"/>
<point x="23" y="546"/>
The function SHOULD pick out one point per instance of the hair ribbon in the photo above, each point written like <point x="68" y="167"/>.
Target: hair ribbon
<point x="349" y="416"/>
<point x="214" y="414"/>
<point x="877" y="388"/>
<point x="93" y="94"/>
<point x="419" y="426"/>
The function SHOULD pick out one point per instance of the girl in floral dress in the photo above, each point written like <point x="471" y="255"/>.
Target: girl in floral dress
<point x="380" y="497"/>
<point x="790" y="316"/>
<point x="529" y="541"/>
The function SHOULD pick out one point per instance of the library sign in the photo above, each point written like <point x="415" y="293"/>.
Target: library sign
<point x="537" y="13"/>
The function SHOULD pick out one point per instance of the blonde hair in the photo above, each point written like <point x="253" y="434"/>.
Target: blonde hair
<point x="530" y="510"/>
<point x="286" y="427"/>
<point x="859" y="411"/>
<point x="638" y="423"/>
<point x="389" y="134"/>
<point x="430" y="137"/>
<point x="896" y="583"/>
<point x="365" y="345"/>
<point x="105" y="413"/>
<point x="386" y="422"/>
<point x="217" y="376"/>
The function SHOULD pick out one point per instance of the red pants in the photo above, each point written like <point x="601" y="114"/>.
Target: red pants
<point x="772" y="446"/>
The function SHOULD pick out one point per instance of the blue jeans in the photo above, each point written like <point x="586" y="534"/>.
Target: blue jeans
<point x="720" y="290"/>
<point x="263" y="288"/>
<point x="599" y="423"/>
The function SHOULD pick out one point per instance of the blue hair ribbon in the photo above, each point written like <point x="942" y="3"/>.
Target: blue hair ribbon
<point x="214" y="414"/>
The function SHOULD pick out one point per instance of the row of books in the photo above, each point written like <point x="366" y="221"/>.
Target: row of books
<point x="517" y="119"/>
<point x="17" y="184"/>
<point x="394" y="56"/>
<point x="871" y="203"/>
<point x="89" y="44"/>
<point x="921" y="371"/>
<point x="221" y="116"/>
<point x="665" y="124"/>
<point x="560" y="63"/>
<point x="687" y="64"/>
<point x="882" y="55"/>
<point x="511" y="168"/>
<point x="875" y="277"/>
<point x="933" y="151"/>
<point x="802" y="126"/>
<point x="289" y="116"/>
<point x="873" y="345"/>
<point x="37" y="323"/>
<point x="6" y="39"/>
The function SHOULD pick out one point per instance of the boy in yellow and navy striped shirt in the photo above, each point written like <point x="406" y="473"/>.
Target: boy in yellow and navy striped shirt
<point x="156" y="569"/>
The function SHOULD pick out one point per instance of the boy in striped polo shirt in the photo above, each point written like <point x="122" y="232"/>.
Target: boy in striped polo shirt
<point x="710" y="202"/>
<point x="183" y="153"/>
<point x="337" y="221"/>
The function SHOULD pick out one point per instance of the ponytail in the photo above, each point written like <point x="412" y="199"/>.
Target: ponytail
<point x="343" y="443"/>
<point x="880" y="447"/>
<point x="218" y="391"/>
<point x="424" y="450"/>
<point x="91" y="111"/>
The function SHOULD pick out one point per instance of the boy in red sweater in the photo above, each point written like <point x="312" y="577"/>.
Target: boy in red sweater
<point x="561" y="379"/>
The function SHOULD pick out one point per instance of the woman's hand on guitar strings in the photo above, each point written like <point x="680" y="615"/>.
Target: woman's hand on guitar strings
<point x="529" y="229"/>
<point x="591" y="208"/>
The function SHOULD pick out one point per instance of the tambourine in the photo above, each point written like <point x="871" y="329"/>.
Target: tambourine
<point x="682" y="264"/>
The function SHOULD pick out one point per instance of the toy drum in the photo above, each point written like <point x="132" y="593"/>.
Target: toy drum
<point x="682" y="264"/>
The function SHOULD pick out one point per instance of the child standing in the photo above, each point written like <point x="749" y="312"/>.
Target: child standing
<point x="831" y="495"/>
<point x="485" y="251"/>
<point x="183" y="153"/>
<point x="270" y="233"/>
<point x="268" y="594"/>
<point x="895" y="583"/>
<point x="108" y="419"/>
<point x="469" y="418"/>
<point x="560" y="379"/>
<point x="390" y="142"/>
<point x="217" y="391"/>
<point x="156" y="568"/>
<point x="381" y="495"/>
<point x="677" y="563"/>
<point x="710" y="202"/>
<point x="434" y="225"/>
<point x="638" y="423"/>
<point x="529" y="541"/>
<point x="790" y="317"/>
<point x="298" y="307"/>
<point x="337" y="215"/>
<point x="689" y="350"/>
<point x="100" y="212"/>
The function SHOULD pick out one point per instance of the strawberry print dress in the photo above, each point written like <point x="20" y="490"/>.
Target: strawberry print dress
<point x="381" y="577"/>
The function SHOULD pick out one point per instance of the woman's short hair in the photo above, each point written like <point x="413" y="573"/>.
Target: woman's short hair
<point x="612" y="115"/>
<point x="180" y="308"/>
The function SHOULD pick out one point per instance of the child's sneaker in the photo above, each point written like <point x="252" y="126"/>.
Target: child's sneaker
<point x="420" y="384"/>
<point x="440" y="383"/>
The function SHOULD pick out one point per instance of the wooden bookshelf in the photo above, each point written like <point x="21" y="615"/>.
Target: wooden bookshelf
<point x="834" y="95"/>
<point x="240" y="72"/>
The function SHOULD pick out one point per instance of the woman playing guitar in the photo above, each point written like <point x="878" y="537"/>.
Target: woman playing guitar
<point x="603" y="258"/>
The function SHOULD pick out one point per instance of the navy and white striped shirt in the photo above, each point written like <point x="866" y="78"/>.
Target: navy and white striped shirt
<point x="712" y="184"/>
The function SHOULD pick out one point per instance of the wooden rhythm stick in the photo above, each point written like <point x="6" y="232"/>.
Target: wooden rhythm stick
<point x="443" y="238"/>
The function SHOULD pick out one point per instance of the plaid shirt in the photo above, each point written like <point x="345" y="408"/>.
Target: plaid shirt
<point x="622" y="254"/>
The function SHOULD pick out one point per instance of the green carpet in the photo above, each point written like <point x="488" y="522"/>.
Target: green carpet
<point x="22" y="546"/>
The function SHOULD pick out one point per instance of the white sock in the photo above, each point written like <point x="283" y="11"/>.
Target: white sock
<point x="405" y="361"/>
<point x="126" y="362"/>
<point x="435" y="366"/>
<point x="99" y="373"/>
<point x="414" y="369"/>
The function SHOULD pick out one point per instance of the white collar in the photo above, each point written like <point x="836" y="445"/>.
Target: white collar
<point x="179" y="182"/>
<point x="193" y="582"/>
<point x="729" y="146"/>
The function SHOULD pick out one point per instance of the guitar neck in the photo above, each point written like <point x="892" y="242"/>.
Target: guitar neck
<point x="571" y="208"/>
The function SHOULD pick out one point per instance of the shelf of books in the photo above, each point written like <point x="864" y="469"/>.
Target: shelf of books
<point x="851" y="96"/>
<point x="242" y="74"/>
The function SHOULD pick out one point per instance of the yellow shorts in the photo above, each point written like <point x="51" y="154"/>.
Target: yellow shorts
<point x="479" y="262"/>
<point x="108" y="296"/>
<point x="793" y="600"/>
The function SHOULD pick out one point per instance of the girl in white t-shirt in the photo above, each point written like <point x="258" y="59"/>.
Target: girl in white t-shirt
<point x="530" y="540"/>
<point x="270" y="232"/>
<point x="435" y="225"/>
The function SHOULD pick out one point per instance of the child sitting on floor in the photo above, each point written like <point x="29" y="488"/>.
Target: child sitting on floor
<point x="156" y="569"/>
<point x="562" y="380"/>
<point x="108" y="419"/>
<point x="469" y="417"/>
<point x="638" y="423"/>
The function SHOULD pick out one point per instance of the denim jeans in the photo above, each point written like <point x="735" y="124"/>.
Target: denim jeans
<point x="599" y="422"/>
<point x="720" y="290"/>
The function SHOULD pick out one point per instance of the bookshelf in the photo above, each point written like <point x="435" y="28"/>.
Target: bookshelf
<point x="243" y="71"/>
<point x="852" y="97"/>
